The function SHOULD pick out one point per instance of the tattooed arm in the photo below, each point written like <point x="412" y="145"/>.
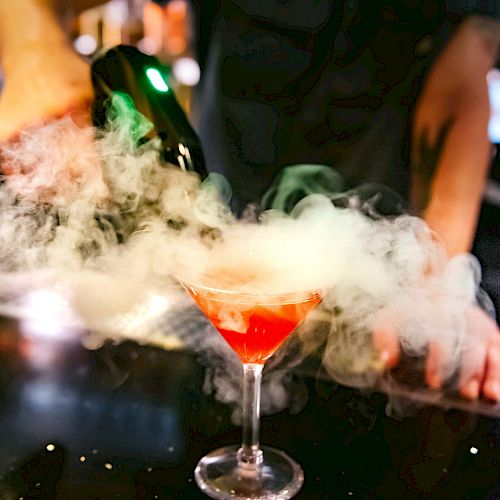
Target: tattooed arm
<point x="451" y="156"/>
<point x="451" y="152"/>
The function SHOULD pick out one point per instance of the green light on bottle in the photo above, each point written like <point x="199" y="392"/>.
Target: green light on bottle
<point x="157" y="80"/>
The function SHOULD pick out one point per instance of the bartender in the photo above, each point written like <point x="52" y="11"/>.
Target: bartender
<point x="386" y="91"/>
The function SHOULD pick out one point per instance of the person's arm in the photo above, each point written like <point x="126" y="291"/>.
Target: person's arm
<point x="451" y="152"/>
<point x="44" y="77"/>
<point x="451" y="156"/>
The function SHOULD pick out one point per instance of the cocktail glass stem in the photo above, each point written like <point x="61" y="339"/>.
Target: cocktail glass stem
<point x="250" y="455"/>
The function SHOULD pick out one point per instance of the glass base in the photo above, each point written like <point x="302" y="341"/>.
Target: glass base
<point x="219" y="476"/>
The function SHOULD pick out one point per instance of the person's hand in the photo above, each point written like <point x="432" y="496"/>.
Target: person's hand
<point x="44" y="84"/>
<point x="479" y="369"/>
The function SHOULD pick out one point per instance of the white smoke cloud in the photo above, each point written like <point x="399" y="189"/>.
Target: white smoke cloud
<point x="102" y="221"/>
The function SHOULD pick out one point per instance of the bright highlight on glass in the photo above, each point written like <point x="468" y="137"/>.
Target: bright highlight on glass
<point x="157" y="80"/>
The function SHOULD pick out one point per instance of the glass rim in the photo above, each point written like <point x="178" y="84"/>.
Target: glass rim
<point x="304" y="293"/>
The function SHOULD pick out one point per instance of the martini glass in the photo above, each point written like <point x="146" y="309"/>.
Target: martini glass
<point x="254" y="325"/>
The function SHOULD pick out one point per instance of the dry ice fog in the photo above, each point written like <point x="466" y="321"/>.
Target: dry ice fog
<point x="100" y="230"/>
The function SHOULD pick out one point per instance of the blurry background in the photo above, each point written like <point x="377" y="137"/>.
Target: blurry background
<point x="166" y="29"/>
<point x="162" y="28"/>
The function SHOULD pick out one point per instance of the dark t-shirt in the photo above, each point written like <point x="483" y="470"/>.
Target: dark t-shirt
<point x="335" y="83"/>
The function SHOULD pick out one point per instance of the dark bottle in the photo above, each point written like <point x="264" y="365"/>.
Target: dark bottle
<point x="125" y="70"/>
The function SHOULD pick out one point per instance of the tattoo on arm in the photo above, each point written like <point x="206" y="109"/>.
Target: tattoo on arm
<point x="426" y="155"/>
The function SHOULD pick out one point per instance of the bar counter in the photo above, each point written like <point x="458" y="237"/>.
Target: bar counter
<point x="131" y="421"/>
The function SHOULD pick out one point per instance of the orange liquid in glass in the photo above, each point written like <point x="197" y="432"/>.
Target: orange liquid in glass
<point x="253" y="330"/>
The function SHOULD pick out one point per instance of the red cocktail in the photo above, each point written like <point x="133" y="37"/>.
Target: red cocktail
<point x="253" y="330"/>
<point x="254" y="325"/>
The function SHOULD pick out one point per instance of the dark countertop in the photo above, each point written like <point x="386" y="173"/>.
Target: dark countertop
<point x="129" y="421"/>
